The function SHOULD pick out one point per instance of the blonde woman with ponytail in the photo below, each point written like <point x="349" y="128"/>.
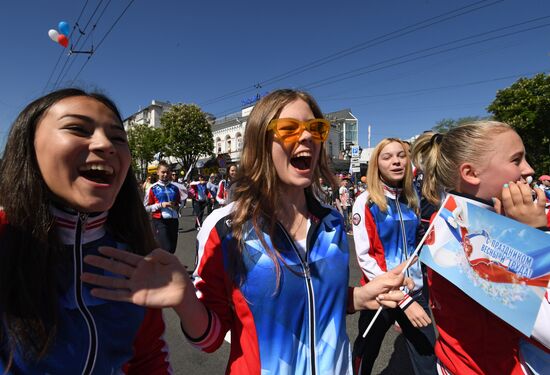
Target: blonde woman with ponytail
<point x="485" y="163"/>
<point x="386" y="229"/>
<point x="273" y="264"/>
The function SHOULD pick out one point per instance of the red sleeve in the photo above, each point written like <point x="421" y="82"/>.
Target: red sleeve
<point x="214" y="290"/>
<point x="150" y="349"/>
<point x="221" y="188"/>
<point x="151" y="198"/>
<point x="377" y="248"/>
<point x="368" y="246"/>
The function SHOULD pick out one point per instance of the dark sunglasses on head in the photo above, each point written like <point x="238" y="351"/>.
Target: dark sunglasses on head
<point x="290" y="129"/>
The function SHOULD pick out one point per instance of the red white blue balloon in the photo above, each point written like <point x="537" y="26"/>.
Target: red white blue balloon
<point x="61" y="37"/>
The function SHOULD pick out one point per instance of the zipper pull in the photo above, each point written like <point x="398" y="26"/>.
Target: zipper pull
<point x="307" y="272"/>
<point x="83" y="217"/>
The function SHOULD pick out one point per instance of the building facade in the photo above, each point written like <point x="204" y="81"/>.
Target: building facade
<point x="228" y="131"/>
<point x="149" y="115"/>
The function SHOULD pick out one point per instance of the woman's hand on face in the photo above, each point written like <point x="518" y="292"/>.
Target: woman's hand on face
<point x="383" y="290"/>
<point x="157" y="280"/>
<point x="417" y="315"/>
<point x="517" y="203"/>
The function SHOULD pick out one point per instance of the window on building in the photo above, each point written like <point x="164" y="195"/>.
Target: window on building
<point x="239" y="142"/>
<point x="228" y="144"/>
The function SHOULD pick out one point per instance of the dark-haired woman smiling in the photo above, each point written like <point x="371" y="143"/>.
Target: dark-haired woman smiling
<point x="66" y="189"/>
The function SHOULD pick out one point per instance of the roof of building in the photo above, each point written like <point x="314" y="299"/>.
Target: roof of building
<point x="341" y="114"/>
<point x="227" y="121"/>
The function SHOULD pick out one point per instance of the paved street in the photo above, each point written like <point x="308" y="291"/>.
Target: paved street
<point x="393" y="358"/>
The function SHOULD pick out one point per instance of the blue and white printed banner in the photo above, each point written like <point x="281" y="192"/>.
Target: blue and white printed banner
<point x="502" y="264"/>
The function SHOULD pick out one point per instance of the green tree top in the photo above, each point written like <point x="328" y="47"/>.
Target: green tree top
<point x="187" y="133"/>
<point x="446" y="124"/>
<point x="526" y="107"/>
<point x="144" y="142"/>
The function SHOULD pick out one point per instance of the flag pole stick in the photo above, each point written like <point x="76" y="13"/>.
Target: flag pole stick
<point x="411" y="259"/>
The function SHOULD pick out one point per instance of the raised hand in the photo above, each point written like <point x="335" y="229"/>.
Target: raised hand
<point x="156" y="280"/>
<point x="517" y="203"/>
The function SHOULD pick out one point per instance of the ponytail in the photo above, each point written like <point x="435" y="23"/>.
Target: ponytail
<point x="440" y="156"/>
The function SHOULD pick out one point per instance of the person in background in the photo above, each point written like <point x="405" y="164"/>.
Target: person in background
<point x="182" y="189"/>
<point x="200" y="197"/>
<point x="386" y="230"/>
<point x="147" y="184"/>
<point x="345" y="201"/>
<point x="212" y="186"/>
<point x="224" y="188"/>
<point x="545" y="186"/>
<point x="326" y="190"/>
<point x="163" y="201"/>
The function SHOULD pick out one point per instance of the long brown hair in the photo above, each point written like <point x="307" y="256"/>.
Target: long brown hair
<point x="374" y="180"/>
<point x="30" y="252"/>
<point x="256" y="189"/>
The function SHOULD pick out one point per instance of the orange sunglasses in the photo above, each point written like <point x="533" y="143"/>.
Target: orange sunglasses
<point x="290" y="129"/>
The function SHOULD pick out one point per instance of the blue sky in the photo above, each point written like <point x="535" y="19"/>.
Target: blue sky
<point x="397" y="79"/>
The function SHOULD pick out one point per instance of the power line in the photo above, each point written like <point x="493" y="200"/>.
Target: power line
<point x="61" y="53"/>
<point x="438" y="88"/>
<point x="359" y="47"/>
<point x="359" y="71"/>
<point x="103" y="39"/>
<point x="89" y="33"/>
<point x="377" y="41"/>
<point x="390" y="62"/>
<point x="63" y="72"/>
<point x="418" y="91"/>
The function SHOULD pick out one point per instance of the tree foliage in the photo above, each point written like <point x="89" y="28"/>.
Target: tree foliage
<point x="446" y="124"/>
<point x="144" y="142"/>
<point x="187" y="133"/>
<point x="526" y="107"/>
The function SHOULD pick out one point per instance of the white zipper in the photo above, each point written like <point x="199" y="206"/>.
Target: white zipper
<point x="311" y="301"/>
<point x="79" y="299"/>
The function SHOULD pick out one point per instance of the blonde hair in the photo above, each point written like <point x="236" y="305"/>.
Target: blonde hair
<point x="439" y="156"/>
<point x="374" y="181"/>
<point x="256" y="187"/>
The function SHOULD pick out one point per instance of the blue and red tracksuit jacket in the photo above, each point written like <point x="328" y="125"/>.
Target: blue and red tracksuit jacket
<point x="159" y="193"/>
<point x="94" y="336"/>
<point x="298" y="327"/>
<point x="385" y="239"/>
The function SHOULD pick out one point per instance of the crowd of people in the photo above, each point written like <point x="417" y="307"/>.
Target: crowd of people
<point x="88" y="264"/>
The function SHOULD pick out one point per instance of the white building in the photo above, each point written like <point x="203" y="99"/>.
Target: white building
<point x="228" y="131"/>
<point x="149" y="115"/>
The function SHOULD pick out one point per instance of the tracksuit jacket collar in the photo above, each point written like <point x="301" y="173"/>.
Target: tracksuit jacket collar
<point x="66" y="219"/>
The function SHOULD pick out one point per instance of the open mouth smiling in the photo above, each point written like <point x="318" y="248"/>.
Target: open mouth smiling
<point x="98" y="173"/>
<point x="302" y="160"/>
